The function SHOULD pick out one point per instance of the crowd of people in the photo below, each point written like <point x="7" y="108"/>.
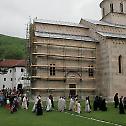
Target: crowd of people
<point x="75" y="105"/>
<point x="13" y="99"/>
<point x="16" y="99"/>
<point x="99" y="104"/>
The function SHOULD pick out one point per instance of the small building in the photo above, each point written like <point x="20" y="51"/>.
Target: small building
<point x="13" y="74"/>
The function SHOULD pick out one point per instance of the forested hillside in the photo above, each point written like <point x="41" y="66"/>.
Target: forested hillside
<point x="12" y="47"/>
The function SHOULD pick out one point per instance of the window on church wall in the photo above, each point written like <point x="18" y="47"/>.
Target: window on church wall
<point x="103" y="12"/>
<point x="52" y="70"/>
<point x="90" y="71"/>
<point x="4" y="79"/>
<point x="120" y="63"/>
<point x="121" y="7"/>
<point x="111" y="8"/>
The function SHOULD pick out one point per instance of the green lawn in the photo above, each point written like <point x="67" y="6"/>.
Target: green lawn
<point x="54" y="118"/>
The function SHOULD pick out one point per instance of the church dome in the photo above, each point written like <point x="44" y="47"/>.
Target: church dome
<point x="113" y="10"/>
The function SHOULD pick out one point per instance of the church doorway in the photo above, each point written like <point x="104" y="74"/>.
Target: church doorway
<point x="72" y="92"/>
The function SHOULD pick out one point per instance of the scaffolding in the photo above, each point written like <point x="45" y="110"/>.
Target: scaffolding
<point x="29" y="37"/>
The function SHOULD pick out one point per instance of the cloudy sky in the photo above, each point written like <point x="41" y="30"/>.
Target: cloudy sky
<point x="14" y="14"/>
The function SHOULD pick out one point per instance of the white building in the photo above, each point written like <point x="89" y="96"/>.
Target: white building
<point x="13" y="74"/>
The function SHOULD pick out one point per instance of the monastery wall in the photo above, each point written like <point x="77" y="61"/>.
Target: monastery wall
<point x="118" y="80"/>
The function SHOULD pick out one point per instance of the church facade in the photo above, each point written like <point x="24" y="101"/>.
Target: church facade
<point x="88" y="58"/>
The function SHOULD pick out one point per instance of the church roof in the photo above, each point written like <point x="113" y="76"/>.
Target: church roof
<point x="104" y="23"/>
<point x="63" y="36"/>
<point x="59" y="23"/>
<point x="12" y="63"/>
<point x="112" y="35"/>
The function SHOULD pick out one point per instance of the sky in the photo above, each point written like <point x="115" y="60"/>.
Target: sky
<point x="15" y="14"/>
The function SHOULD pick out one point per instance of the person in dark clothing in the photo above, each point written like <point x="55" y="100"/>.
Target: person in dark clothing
<point x="51" y="98"/>
<point x="124" y="102"/>
<point x="121" y="107"/>
<point x="14" y="106"/>
<point x="39" y="110"/>
<point x="95" y="104"/>
<point x="103" y="105"/>
<point x="116" y="100"/>
<point x="100" y="102"/>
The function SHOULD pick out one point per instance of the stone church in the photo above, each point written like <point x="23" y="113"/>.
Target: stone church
<point x="88" y="58"/>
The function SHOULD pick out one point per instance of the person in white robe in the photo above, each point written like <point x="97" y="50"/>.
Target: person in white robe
<point x="87" y="106"/>
<point x="63" y="104"/>
<point x="71" y="105"/>
<point x="49" y="105"/>
<point x="60" y="104"/>
<point x="35" y="104"/>
<point x="24" y="102"/>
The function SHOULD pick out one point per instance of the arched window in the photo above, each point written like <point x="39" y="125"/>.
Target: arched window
<point x="103" y="12"/>
<point x="52" y="69"/>
<point x="111" y="8"/>
<point x="120" y="63"/>
<point x="121" y="7"/>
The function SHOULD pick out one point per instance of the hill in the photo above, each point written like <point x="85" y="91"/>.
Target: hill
<point x="12" y="47"/>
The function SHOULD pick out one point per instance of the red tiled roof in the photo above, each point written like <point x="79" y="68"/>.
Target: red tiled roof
<point x="12" y="63"/>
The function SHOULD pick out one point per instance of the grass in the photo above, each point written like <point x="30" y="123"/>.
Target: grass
<point x="54" y="118"/>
